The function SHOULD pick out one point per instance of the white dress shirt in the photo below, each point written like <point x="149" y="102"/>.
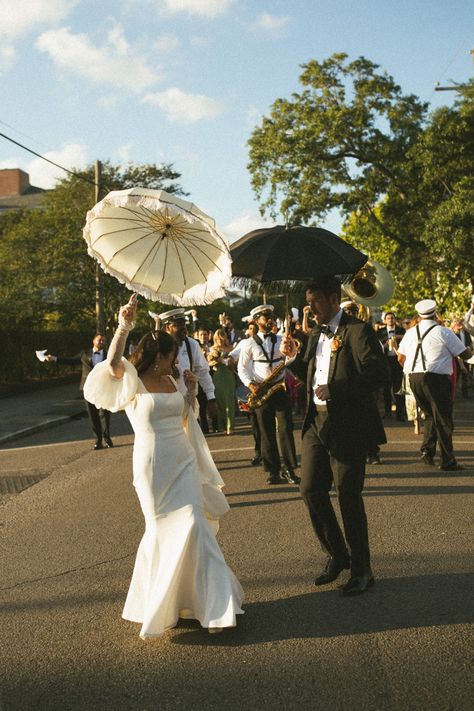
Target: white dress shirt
<point x="323" y="357"/>
<point x="440" y="346"/>
<point x="200" y="366"/>
<point x="253" y="367"/>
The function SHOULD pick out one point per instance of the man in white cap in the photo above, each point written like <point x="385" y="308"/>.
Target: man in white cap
<point x="426" y="353"/>
<point x="190" y="355"/>
<point x="259" y="357"/>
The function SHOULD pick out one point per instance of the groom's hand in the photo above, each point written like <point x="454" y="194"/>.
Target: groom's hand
<point x="322" y="392"/>
<point x="288" y="347"/>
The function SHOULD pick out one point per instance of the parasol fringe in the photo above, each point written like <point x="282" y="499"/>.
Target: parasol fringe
<point x="191" y="297"/>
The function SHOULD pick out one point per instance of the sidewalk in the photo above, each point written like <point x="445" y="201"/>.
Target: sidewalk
<point x="27" y="413"/>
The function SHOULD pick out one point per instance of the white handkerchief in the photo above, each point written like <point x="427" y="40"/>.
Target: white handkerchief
<point x="41" y="355"/>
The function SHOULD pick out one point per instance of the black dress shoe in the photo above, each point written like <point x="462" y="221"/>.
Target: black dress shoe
<point x="98" y="445"/>
<point x="275" y="478"/>
<point x="358" y="584"/>
<point x="332" y="571"/>
<point x="290" y="476"/>
<point x="108" y="442"/>
<point x="427" y="459"/>
<point x="256" y="461"/>
<point x="452" y="467"/>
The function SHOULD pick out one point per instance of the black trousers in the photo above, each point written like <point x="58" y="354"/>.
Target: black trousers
<point x="319" y="470"/>
<point x="202" y="401"/>
<point x="99" y="419"/>
<point x="276" y="408"/>
<point x="433" y="396"/>
<point x="393" y="386"/>
<point x="256" y="432"/>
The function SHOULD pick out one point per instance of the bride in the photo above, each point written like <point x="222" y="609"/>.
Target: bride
<point x="179" y="569"/>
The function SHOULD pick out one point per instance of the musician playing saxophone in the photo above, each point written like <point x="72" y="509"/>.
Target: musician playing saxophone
<point x="261" y="369"/>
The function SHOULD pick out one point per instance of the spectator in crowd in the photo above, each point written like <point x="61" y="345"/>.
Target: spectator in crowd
<point x="88" y="359"/>
<point x="462" y="368"/>
<point x="390" y="336"/>
<point x="469" y="318"/>
<point x="224" y="381"/>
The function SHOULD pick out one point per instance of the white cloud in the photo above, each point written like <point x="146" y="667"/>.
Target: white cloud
<point x="271" y="23"/>
<point x="184" y="108"/>
<point x="123" y="153"/>
<point x="167" y="43"/>
<point x="245" y="222"/>
<point x="21" y="16"/>
<point x="45" y="175"/>
<point x="115" y="63"/>
<point x="205" y="8"/>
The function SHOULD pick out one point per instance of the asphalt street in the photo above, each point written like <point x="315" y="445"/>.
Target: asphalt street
<point x="67" y="549"/>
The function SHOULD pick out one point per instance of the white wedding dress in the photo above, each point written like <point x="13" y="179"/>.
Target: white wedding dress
<point x="179" y="569"/>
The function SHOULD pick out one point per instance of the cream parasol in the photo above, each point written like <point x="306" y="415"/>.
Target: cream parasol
<point x="160" y="246"/>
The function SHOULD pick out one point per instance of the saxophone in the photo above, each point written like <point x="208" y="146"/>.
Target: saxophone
<point x="266" y="388"/>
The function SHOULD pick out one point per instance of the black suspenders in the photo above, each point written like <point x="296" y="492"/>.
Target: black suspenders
<point x="419" y="348"/>
<point x="190" y="355"/>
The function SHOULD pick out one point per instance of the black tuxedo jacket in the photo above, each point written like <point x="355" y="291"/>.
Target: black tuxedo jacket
<point x="357" y="369"/>
<point x="84" y="358"/>
<point x="382" y="335"/>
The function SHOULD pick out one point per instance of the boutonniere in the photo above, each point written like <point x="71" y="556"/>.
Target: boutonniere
<point x="336" y="344"/>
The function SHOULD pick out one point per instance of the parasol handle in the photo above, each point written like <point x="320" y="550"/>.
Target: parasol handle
<point x="287" y="324"/>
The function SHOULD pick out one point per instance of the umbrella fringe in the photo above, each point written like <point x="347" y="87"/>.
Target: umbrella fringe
<point x="270" y="287"/>
<point x="187" y="299"/>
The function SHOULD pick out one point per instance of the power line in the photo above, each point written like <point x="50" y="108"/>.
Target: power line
<point x="25" y="148"/>
<point x="23" y="135"/>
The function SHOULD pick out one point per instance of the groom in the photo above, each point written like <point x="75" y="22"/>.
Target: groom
<point x="342" y="365"/>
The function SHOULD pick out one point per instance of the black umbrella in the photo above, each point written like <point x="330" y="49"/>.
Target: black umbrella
<point x="286" y="254"/>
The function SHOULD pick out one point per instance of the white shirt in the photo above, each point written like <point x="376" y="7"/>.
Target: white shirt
<point x="253" y="367"/>
<point x="200" y="366"/>
<point x="469" y="320"/>
<point x="323" y="357"/>
<point x="440" y="346"/>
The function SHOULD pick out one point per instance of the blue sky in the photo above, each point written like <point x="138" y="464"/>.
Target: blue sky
<point x="185" y="81"/>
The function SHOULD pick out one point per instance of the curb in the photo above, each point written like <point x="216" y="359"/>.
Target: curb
<point x="45" y="425"/>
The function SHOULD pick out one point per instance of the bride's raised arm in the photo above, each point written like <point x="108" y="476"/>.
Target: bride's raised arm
<point x="117" y="346"/>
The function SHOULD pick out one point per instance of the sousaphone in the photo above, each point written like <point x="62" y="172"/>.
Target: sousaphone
<point x="371" y="286"/>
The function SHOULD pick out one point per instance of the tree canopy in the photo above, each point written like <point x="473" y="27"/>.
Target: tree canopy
<point x="402" y="178"/>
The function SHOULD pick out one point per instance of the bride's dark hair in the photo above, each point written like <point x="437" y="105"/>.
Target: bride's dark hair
<point x="149" y="346"/>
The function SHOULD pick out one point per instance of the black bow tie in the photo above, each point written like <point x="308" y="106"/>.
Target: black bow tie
<point x="272" y="336"/>
<point x="326" y="330"/>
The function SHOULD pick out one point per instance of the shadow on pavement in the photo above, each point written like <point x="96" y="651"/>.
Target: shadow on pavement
<point x="393" y="604"/>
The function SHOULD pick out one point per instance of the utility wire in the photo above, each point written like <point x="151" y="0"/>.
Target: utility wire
<point x="23" y="135"/>
<point x="71" y="172"/>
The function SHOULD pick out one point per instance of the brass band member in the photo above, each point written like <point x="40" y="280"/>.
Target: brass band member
<point x="259" y="357"/>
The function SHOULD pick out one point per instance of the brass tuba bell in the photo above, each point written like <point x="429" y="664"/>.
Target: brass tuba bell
<point x="371" y="286"/>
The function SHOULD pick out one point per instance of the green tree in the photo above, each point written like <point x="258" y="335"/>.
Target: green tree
<point x="46" y="274"/>
<point x="352" y="140"/>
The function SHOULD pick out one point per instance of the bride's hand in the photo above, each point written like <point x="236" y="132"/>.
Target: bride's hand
<point x="190" y="380"/>
<point x="127" y="312"/>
